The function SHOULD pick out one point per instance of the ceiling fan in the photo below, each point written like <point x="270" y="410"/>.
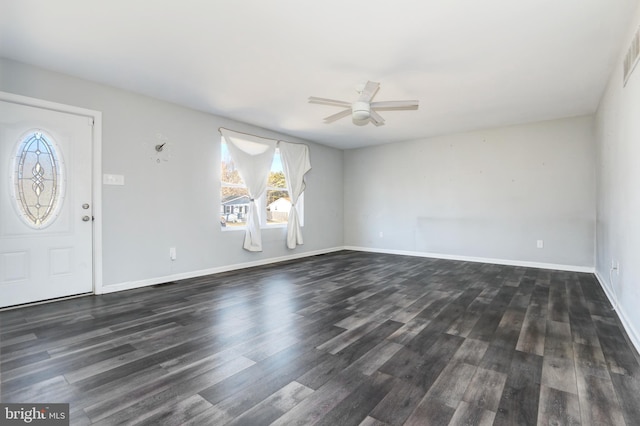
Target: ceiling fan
<point x="363" y="110"/>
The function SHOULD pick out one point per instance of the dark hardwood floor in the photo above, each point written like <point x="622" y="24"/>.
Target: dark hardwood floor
<point x="346" y="338"/>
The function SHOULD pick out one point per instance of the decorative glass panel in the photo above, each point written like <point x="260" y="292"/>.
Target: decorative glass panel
<point x="38" y="180"/>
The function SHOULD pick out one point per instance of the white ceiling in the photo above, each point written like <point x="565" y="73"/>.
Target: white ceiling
<point x="472" y="64"/>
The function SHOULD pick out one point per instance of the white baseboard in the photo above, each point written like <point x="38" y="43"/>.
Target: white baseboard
<point x="606" y="288"/>
<point x="523" y="263"/>
<point x="129" y="285"/>
<point x="633" y="334"/>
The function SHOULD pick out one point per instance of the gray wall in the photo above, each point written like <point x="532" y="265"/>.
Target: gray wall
<point x="618" y="193"/>
<point x="176" y="204"/>
<point x="486" y="194"/>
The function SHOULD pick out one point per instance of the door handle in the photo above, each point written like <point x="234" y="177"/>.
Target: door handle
<point x="86" y="218"/>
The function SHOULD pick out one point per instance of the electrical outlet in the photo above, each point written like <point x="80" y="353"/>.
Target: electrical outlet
<point x="172" y="253"/>
<point x="381" y="234"/>
<point x="615" y="266"/>
<point x="540" y="244"/>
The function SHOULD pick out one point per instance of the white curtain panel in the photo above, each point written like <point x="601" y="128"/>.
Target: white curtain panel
<point x="296" y="163"/>
<point x="252" y="157"/>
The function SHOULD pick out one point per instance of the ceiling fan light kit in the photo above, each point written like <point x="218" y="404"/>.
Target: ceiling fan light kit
<point x="362" y="110"/>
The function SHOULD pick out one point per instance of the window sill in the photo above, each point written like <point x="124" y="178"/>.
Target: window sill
<point x="243" y="228"/>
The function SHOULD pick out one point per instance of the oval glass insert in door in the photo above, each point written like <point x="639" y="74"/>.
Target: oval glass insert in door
<point x="39" y="182"/>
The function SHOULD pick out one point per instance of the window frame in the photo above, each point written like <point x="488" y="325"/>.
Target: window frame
<point x="261" y="203"/>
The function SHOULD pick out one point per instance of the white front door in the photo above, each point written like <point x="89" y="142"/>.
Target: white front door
<point x="45" y="204"/>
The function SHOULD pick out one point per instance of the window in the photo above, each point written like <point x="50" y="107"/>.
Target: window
<point x="38" y="180"/>
<point x="274" y="206"/>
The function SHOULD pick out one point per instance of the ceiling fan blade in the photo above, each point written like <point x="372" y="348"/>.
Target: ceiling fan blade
<point x="376" y="118"/>
<point x="388" y="105"/>
<point x="338" y="116"/>
<point x="369" y="91"/>
<point x="332" y="102"/>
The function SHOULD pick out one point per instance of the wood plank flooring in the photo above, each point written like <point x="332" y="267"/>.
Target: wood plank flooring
<point x="346" y="338"/>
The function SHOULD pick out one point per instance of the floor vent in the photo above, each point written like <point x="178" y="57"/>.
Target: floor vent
<point x="163" y="284"/>
<point x="631" y="59"/>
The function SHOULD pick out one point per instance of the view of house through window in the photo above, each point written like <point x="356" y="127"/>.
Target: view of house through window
<point x="274" y="206"/>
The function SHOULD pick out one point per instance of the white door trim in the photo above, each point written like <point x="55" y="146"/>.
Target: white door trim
<point x="96" y="185"/>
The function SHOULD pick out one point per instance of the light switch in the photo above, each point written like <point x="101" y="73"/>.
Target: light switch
<point x="113" y="179"/>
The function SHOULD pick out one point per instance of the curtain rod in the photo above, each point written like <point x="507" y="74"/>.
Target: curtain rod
<point x="261" y="137"/>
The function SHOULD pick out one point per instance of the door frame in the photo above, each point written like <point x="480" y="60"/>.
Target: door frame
<point x="96" y="174"/>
